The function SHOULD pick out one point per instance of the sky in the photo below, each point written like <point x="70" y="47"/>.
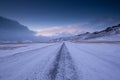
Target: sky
<point x="62" y="17"/>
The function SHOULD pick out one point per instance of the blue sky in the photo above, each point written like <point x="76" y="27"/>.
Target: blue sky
<point x="62" y="17"/>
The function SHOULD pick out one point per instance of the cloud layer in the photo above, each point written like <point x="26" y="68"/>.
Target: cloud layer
<point x="58" y="31"/>
<point x="63" y="31"/>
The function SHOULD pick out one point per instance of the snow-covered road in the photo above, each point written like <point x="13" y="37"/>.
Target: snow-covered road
<point x="63" y="61"/>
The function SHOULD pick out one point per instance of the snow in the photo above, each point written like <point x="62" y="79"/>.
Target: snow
<point x="10" y="49"/>
<point x="107" y="38"/>
<point x="23" y="66"/>
<point x="96" y="61"/>
<point x="62" y="61"/>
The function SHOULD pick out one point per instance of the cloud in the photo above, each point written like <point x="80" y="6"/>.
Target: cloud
<point x="102" y="23"/>
<point x="58" y="31"/>
<point x="63" y="31"/>
<point x="99" y="24"/>
<point x="91" y="26"/>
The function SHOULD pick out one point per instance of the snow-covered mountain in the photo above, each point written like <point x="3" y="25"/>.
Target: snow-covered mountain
<point x="11" y="30"/>
<point x="110" y="33"/>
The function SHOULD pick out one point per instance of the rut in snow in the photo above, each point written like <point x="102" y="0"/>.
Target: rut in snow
<point x="63" y="66"/>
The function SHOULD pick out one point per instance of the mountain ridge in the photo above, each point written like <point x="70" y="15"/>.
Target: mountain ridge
<point x="108" y="32"/>
<point x="11" y="30"/>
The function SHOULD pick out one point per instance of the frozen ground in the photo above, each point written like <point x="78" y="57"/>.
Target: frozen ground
<point x="10" y="49"/>
<point x="62" y="61"/>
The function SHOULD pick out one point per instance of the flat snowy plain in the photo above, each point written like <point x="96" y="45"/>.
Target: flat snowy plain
<point x="60" y="61"/>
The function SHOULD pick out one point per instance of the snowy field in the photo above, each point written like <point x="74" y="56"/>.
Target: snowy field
<point x="60" y="61"/>
<point x="10" y="49"/>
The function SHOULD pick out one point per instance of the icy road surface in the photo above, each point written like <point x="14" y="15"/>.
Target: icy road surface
<point x="63" y="61"/>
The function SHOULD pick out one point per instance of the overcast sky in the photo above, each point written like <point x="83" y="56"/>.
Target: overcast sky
<point x="62" y="17"/>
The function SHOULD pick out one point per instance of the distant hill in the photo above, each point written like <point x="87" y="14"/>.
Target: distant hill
<point x="11" y="30"/>
<point x="110" y="33"/>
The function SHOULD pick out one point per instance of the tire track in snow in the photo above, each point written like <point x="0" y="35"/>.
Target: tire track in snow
<point x="63" y="66"/>
<point x="26" y="64"/>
